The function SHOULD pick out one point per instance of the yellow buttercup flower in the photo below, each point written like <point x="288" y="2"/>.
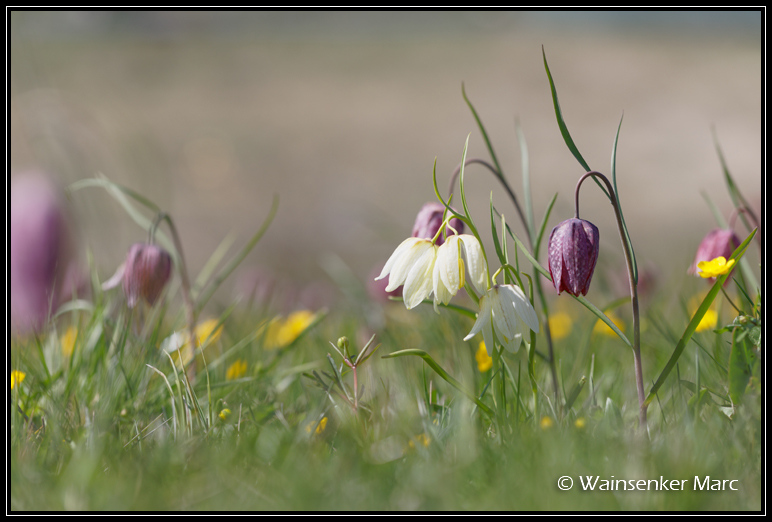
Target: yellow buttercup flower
<point x="16" y="378"/>
<point x="236" y="370"/>
<point x="580" y="423"/>
<point x="422" y="439"/>
<point x="224" y="414"/>
<point x="205" y="334"/>
<point x="602" y="328"/>
<point x="715" y="267"/>
<point x="280" y="333"/>
<point x="67" y="341"/>
<point x="708" y="321"/>
<point x="546" y="423"/>
<point x="484" y="361"/>
<point x="560" y="325"/>
<point x="320" y="427"/>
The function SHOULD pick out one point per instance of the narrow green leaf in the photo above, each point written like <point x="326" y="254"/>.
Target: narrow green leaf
<point x="739" y="369"/>
<point x="496" y="244"/>
<point x="525" y="167"/>
<point x="482" y="131"/>
<point x="238" y="258"/>
<point x="564" y="129"/>
<point x="698" y="315"/>
<point x="442" y="373"/>
<point x="619" y="203"/>
<point x="543" y="227"/>
<point x="737" y="198"/>
<point x="575" y="391"/>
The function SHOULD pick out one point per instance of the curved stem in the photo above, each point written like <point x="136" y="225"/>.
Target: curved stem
<point x="512" y="196"/>
<point x="633" y="287"/>
<point x="506" y="187"/>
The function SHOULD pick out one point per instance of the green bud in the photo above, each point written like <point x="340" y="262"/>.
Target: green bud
<point x="343" y="344"/>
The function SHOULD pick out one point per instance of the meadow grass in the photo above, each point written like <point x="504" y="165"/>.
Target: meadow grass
<point x="96" y="429"/>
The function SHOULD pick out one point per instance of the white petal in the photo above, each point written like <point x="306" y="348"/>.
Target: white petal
<point x="482" y="318"/>
<point x="394" y="256"/>
<point x="475" y="262"/>
<point x="503" y="314"/>
<point x="441" y="293"/>
<point x="418" y="285"/>
<point x="522" y="306"/>
<point x="406" y="261"/>
<point x="448" y="266"/>
<point x="513" y="345"/>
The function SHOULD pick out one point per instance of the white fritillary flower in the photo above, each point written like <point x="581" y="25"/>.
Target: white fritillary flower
<point x="505" y="310"/>
<point x="411" y="265"/>
<point x="459" y="252"/>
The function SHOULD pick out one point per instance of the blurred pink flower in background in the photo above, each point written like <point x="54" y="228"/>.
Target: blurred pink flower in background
<point x="43" y="272"/>
<point x="718" y="242"/>
<point x="429" y="219"/>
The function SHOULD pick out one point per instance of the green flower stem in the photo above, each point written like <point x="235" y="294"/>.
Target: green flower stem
<point x="545" y="309"/>
<point x="633" y="288"/>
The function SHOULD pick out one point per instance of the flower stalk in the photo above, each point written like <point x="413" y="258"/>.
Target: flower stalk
<point x="529" y="239"/>
<point x="633" y="287"/>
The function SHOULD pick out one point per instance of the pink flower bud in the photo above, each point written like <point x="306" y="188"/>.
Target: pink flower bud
<point x="41" y="250"/>
<point x="573" y="252"/>
<point x="428" y="222"/>
<point x="717" y="243"/>
<point x="147" y="270"/>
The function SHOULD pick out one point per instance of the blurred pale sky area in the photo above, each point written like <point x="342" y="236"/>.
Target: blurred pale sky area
<point x="342" y="115"/>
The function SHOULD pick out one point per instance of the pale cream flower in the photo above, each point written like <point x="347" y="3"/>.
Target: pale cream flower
<point x="505" y="310"/>
<point x="411" y="265"/>
<point x="459" y="252"/>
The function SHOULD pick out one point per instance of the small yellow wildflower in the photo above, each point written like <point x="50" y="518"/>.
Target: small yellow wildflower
<point x="320" y="427"/>
<point x="280" y="333"/>
<point x="16" y="378"/>
<point x="708" y="321"/>
<point x="580" y="423"/>
<point x="205" y="332"/>
<point x="422" y="439"/>
<point x="560" y="325"/>
<point x="484" y="361"/>
<point x="224" y="414"/>
<point x="236" y="370"/>
<point x="546" y="423"/>
<point x="602" y="328"/>
<point x="67" y="341"/>
<point x="715" y="267"/>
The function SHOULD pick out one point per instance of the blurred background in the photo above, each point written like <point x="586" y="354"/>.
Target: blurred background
<point x="342" y="115"/>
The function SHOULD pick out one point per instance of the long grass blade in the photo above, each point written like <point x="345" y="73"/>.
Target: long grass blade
<point x="692" y="326"/>
<point x="442" y="373"/>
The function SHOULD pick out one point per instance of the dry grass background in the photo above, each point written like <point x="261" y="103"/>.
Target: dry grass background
<point x="342" y="115"/>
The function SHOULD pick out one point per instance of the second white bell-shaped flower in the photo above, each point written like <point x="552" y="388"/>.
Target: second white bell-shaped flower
<point x="505" y="310"/>
<point x="457" y="253"/>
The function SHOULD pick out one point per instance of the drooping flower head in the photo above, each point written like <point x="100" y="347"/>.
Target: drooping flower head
<point x="411" y="265"/>
<point x="429" y="220"/>
<point x="573" y="252"/>
<point x="147" y="270"/>
<point x="718" y="243"/>
<point x="41" y="250"/>
<point x="505" y="310"/>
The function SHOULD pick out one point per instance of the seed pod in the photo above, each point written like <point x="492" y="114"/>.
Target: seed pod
<point x="573" y="252"/>
<point x="429" y="219"/>
<point x="148" y="269"/>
